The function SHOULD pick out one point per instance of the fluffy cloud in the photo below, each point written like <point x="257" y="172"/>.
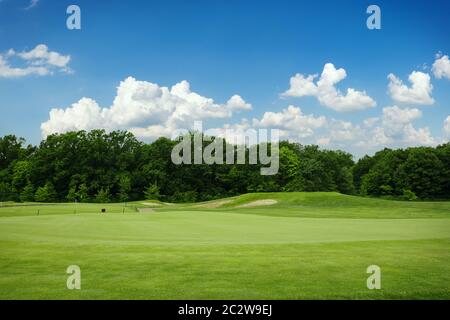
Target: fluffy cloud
<point x="441" y="67"/>
<point x="86" y="114"/>
<point x="343" y="131"/>
<point x="144" y="108"/>
<point x="397" y="123"/>
<point x="6" y="71"/>
<point x="233" y="133"/>
<point x="393" y="129"/>
<point x="149" y="111"/>
<point x="38" y="61"/>
<point x="326" y="92"/>
<point x="323" y="141"/>
<point x="447" y="127"/>
<point x="395" y="118"/>
<point x="418" y="93"/>
<point x="292" y="121"/>
<point x="376" y="137"/>
<point x="365" y="136"/>
<point x="42" y="56"/>
<point x="237" y="103"/>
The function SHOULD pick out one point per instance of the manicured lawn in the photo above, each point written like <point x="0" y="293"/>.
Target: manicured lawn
<point x="306" y="246"/>
<point x="14" y="210"/>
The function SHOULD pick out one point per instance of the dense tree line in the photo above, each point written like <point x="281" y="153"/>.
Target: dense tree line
<point x="97" y="166"/>
<point x="412" y="173"/>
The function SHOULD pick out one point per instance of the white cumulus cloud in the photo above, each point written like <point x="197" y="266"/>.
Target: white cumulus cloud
<point x="447" y="127"/>
<point x="397" y="123"/>
<point x="418" y="93"/>
<point x="38" y="61"/>
<point x="237" y="103"/>
<point x="397" y="128"/>
<point x="323" y="141"/>
<point x="292" y="121"/>
<point x="6" y="71"/>
<point x="394" y="128"/>
<point x="395" y="118"/>
<point x="441" y="67"/>
<point x="144" y="108"/>
<point x="324" y="89"/>
<point x="40" y="55"/>
<point x="85" y="114"/>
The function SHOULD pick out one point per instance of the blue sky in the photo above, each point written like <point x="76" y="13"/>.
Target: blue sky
<point x="225" y="48"/>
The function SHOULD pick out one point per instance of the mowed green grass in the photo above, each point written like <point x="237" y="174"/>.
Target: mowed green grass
<point x="28" y="209"/>
<point x="305" y="246"/>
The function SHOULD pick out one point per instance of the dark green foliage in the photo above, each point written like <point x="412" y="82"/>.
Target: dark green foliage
<point x="111" y="167"/>
<point x="409" y="195"/>
<point x="152" y="192"/>
<point x="420" y="172"/>
<point x="46" y="193"/>
<point x="27" y="193"/>
<point x="103" y="196"/>
<point x="124" y="188"/>
<point x="5" y="192"/>
<point x="72" y="194"/>
<point x="82" y="194"/>
<point x="11" y="149"/>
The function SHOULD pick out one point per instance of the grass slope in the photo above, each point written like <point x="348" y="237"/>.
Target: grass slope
<point x="306" y="246"/>
<point x="331" y="205"/>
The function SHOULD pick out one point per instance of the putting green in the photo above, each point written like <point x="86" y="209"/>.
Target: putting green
<point x="206" y="228"/>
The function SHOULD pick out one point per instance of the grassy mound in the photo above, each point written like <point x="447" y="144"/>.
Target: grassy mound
<point x="322" y="204"/>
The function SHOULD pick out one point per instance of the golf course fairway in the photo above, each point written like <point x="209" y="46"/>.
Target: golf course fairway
<point x="254" y="246"/>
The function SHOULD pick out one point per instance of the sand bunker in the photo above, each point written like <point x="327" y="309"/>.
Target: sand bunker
<point x="151" y="204"/>
<point x="214" y="204"/>
<point x="145" y="210"/>
<point x="258" y="203"/>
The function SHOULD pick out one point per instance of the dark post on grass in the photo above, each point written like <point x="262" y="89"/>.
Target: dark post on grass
<point x="103" y="210"/>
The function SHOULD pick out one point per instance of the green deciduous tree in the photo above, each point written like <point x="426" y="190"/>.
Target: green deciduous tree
<point x="124" y="188"/>
<point x="82" y="194"/>
<point x="27" y="194"/>
<point x="103" y="196"/>
<point x="46" y="193"/>
<point x="72" y="195"/>
<point x="115" y="166"/>
<point x="422" y="172"/>
<point x="152" y="192"/>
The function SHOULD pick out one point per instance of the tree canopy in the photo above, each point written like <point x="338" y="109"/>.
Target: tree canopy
<point x="97" y="166"/>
